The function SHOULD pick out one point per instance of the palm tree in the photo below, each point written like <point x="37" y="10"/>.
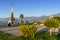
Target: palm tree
<point x="51" y="23"/>
<point x="21" y="16"/>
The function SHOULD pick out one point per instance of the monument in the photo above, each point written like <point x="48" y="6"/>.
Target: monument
<point x="11" y="18"/>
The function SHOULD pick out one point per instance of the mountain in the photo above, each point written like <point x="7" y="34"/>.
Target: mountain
<point x="3" y="20"/>
<point x="31" y="19"/>
<point x="58" y="14"/>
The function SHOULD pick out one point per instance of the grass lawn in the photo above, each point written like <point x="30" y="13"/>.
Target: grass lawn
<point x="38" y="36"/>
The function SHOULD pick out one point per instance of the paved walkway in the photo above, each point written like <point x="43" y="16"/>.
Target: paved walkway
<point x="15" y="31"/>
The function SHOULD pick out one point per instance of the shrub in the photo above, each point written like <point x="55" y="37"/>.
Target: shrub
<point x="51" y="23"/>
<point x="28" y="30"/>
<point x="57" y="17"/>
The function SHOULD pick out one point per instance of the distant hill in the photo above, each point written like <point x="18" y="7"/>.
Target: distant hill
<point x="58" y="14"/>
<point x="31" y="19"/>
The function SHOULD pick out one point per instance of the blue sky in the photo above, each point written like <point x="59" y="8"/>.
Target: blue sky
<point x="29" y="7"/>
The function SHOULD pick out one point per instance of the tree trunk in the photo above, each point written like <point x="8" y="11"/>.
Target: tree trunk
<point x="50" y="31"/>
<point x="21" y="21"/>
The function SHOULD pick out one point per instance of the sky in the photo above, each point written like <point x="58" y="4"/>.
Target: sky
<point x="29" y="7"/>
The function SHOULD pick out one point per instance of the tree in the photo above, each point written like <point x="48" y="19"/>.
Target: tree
<point x="58" y="18"/>
<point x="51" y="23"/>
<point x="21" y="16"/>
<point x="12" y="17"/>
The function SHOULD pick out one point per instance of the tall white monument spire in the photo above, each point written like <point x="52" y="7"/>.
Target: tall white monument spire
<point x="12" y="8"/>
<point x="11" y="19"/>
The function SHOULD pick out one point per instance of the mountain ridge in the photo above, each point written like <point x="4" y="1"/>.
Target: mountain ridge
<point x="31" y="19"/>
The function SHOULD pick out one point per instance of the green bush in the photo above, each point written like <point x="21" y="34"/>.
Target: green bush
<point x="52" y="23"/>
<point x="28" y="30"/>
